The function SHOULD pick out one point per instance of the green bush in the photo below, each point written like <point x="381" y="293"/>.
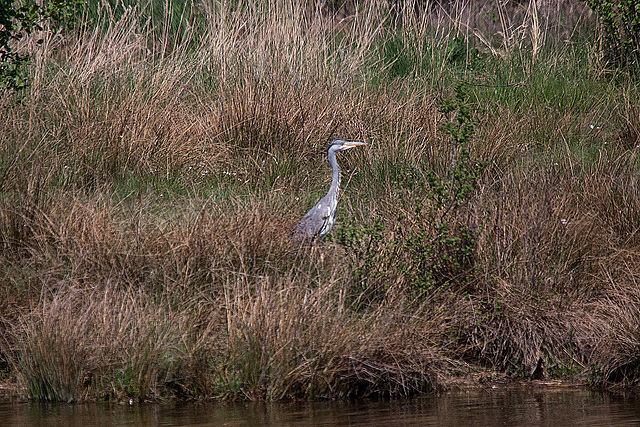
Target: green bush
<point x="433" y="245"/>
<point x="621" y="21"/>
<point x="18" y="22"/>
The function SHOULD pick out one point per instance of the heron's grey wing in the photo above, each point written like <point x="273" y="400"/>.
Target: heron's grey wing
<point x="313" y="223"/>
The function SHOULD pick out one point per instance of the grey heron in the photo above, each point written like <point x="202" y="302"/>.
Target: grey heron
<point x="319" y="220"/>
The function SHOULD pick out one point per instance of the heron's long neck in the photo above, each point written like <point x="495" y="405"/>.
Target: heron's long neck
<point x="335" y="180"/>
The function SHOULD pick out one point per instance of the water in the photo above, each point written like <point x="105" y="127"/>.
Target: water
<point x="519" y="407"/>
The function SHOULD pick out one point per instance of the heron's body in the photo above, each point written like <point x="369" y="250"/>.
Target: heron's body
<point x="320" y="219"/>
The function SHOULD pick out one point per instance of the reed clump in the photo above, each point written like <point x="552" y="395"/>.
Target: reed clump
<point x="152" y="170"/>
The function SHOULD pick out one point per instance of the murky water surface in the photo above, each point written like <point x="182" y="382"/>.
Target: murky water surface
<point x="477" y="408"/>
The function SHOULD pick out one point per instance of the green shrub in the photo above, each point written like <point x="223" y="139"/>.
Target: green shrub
<point x="621" y="21"/>
<point x="433" y="245"/>
<point x="18" y="22"/>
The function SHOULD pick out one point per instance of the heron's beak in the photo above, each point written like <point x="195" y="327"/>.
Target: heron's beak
<point x="346" y="145"/>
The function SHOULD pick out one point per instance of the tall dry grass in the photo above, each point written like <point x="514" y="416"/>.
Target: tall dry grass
<point x="149" y="181"/>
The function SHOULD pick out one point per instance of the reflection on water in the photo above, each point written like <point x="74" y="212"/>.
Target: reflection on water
<point x="528" y="407"/>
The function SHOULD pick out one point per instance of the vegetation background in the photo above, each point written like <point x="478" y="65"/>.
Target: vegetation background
<point x="154" y="156"/>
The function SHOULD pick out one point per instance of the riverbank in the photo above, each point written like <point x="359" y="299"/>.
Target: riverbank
<point x="152" y="170"/>
<point x="478" y="382"/>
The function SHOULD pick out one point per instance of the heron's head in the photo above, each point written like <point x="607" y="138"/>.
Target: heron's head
<point x="341" y="145"/>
